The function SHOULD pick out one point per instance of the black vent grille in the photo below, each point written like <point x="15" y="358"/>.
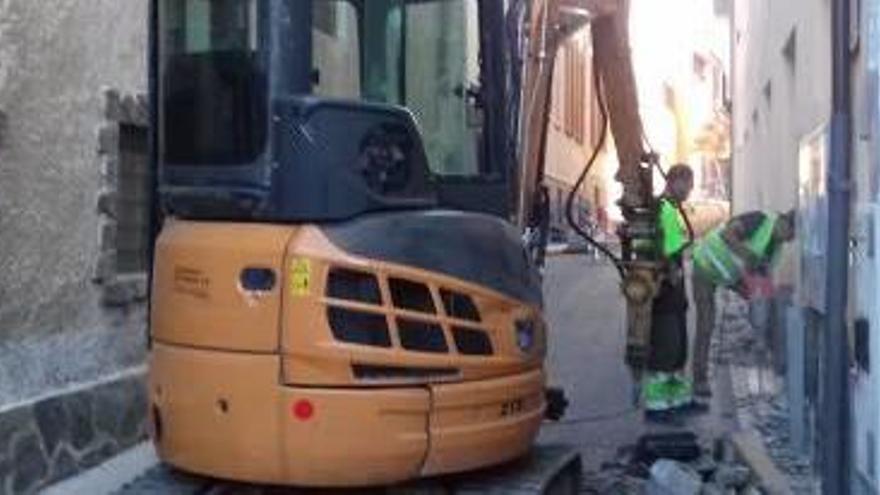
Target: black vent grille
<point x="413" y="296"/>
<point x="460" y="305"/>
<point x="421" y="336"/>
<point x="356" y="327"/>
<point x="352" y="285"/>
<point x="472" y="342"/>
<point x="374" y="372"/>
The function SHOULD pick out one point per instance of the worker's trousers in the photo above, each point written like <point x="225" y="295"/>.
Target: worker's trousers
<point x="704" y="298"/>
<point x="669" y="341"/>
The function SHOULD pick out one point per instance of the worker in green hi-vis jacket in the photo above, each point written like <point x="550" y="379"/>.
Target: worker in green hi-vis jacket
<point x="743" y="249"/>
<point x="666" y="388"/>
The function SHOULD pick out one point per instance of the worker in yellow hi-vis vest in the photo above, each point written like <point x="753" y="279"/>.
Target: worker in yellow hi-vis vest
<point x="666" y="388"/>
<point x="733" y="255"/>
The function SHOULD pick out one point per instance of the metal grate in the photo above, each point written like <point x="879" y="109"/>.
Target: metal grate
<point x="375" y="372"/>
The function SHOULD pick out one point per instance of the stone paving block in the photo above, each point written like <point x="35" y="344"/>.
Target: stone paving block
<point x="58" y="436"/>
<point x="30" y="466"/>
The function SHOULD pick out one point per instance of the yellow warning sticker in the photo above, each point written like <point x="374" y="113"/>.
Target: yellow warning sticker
<point x="300" y="276"/>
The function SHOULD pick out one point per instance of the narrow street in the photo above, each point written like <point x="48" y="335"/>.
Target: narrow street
<point x="586" y="314"/>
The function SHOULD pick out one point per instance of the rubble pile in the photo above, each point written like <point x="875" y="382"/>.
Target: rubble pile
<point x="762" y="406"/>
<point x="674" y="464"/>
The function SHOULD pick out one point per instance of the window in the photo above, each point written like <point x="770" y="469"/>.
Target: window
<point x="133" y="205"/>
<point x="575" y="94"/>
<point x="422" y="55"/>
<point x="335" y="50"/>
<point x="212" y="83"/>
<point x="443" y="82"/>
<point x="124" y="203"/>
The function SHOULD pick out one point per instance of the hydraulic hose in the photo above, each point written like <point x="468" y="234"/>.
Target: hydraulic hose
<point x="569" y="202"/>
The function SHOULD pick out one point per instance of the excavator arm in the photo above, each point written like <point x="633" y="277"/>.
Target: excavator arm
<point x="549" y="23"/>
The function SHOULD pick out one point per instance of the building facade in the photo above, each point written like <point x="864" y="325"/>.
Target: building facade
<point x="682" y="78"/>
<point x="73" y="177"/>
<point x="572" y="136"/>
<point x="782" y="107"/>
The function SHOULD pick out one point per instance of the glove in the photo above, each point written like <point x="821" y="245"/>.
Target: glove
<point x="757" y="286"/>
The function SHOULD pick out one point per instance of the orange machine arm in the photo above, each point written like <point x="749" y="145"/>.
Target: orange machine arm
<point x="549" y="24"/>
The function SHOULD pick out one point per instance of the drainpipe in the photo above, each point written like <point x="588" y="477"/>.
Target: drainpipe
<point x="154" y="222"/>
<point x="836" y="447"/>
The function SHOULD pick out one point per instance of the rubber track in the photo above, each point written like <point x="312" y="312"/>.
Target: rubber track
<point x="541" y="473"/>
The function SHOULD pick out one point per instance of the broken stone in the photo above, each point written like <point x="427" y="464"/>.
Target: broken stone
<point x="627" y="485"/>
<point x="705" y="465"/>
<point x="680" y="446"/>
<point x="669" y="477"/>
<point x="732" y="475"/>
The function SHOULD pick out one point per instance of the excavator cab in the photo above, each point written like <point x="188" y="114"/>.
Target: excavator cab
<point x="293" y="111"/>
<point x="338" y="296"/>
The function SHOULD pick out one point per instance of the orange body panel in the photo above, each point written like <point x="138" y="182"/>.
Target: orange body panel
<point x="196" y="285"/>
<point x="475" y="422"/>
<point x="354" y="438"/>
<point x="229" y="366"/>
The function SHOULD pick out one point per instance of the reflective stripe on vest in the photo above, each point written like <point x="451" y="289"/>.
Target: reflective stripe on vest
<point x="717" y="262"/>
<point x="761" y="239"/>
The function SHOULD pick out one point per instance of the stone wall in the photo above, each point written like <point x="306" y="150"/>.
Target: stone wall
<point x="781" y="92"/>
<point x="66" y="318"/>
<point x="55" y="437"/>
<point x="56" y="58"/>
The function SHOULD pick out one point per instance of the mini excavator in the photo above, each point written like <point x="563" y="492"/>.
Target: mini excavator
<point x="341" y="293"/>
